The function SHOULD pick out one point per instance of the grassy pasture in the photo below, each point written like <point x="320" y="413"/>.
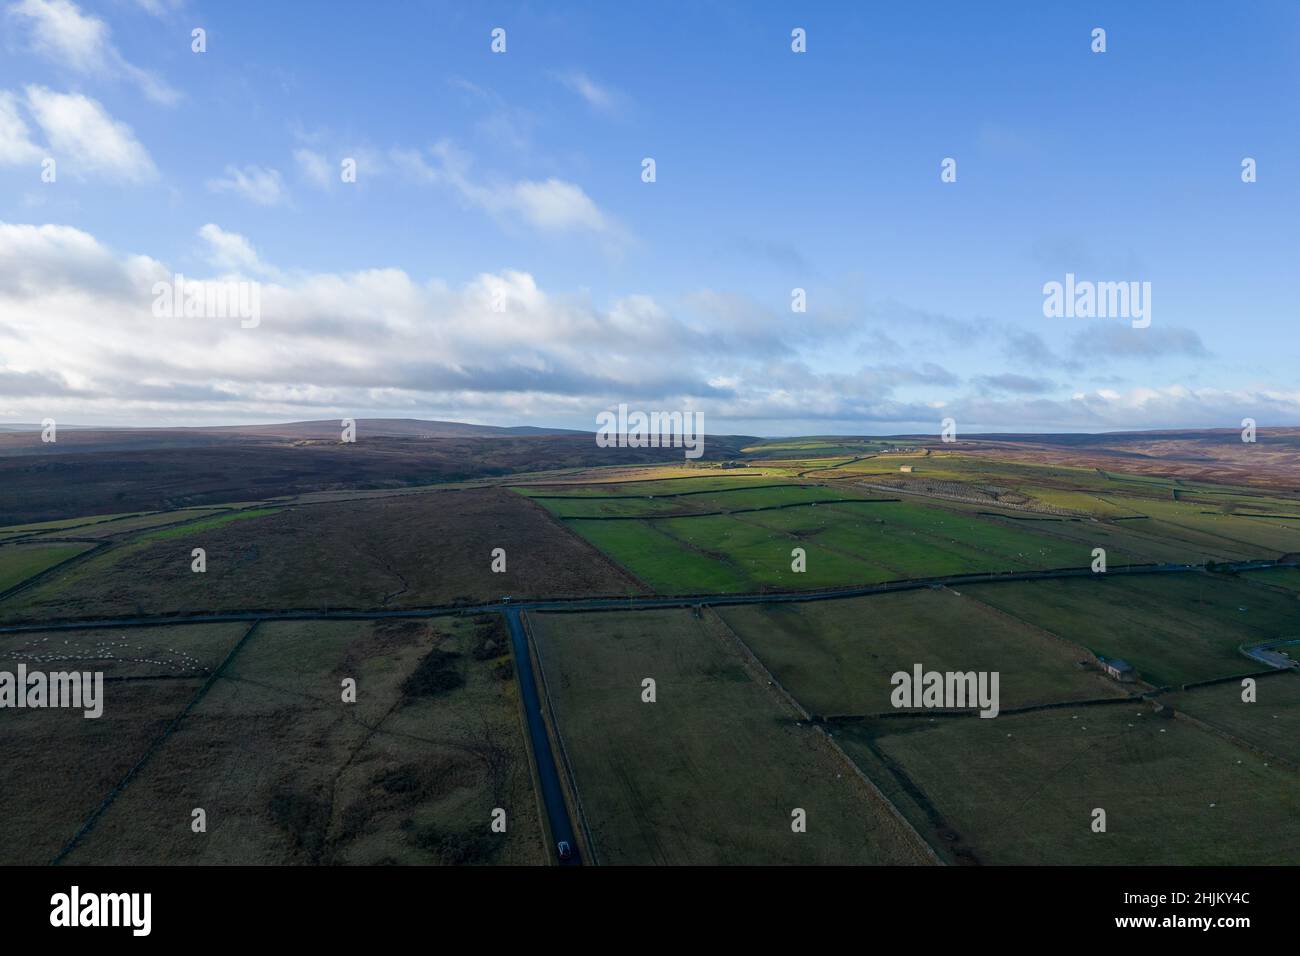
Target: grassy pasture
<point x="1021" y="789"/>
<point x="598" y="506"/>
<point x="1288" y="578"/>
<point x="710" y="772"/>
<point x="1271" y="723"/>
<point x="63" y="525"/>
<point x="116" y="526"/>
<point x="851" y="542"/>
<point x="1173" y="628"/>
<point x="836" y="657"/>
<point x="661" y="560"/>
<point x="208" y="524"/>
<point x="18" y="562"/>
<point x="647" y="487"/>
<point x="816" y="448"/>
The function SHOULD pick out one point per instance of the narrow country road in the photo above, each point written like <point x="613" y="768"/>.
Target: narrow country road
<point x="548" y="774"/>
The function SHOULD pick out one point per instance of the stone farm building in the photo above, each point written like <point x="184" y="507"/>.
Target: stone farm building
<point x="1118" y="669"/>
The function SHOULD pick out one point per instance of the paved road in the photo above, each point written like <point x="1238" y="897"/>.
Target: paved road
<point x="547" y="772"/>
<point x="631" y="604"/>
<point x="1265" y="654"/>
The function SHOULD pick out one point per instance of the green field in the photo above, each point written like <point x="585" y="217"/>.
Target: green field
<point x="207" y="524"/>
<point x="850" y="541"/>
<point x="62" y="525"/>
<point x="111" y="526"/>
<point x="18" y="562"/>
<point x="1021" y="789"/>
<point x="1271" y="723"/>
<point x="726" y="534"/>
<point x="1288" y="578"/>
<point x="836" y="657"/>
<point x="712" y="771"/>
<point x="647" y="488"/>
<point x="1173" y="628"/>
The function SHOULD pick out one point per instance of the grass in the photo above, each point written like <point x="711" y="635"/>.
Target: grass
<point x="599" y="486"/>
<point x="681" y="547"/>
<point x="208" y="524"/>
<point x="711" y="772"/>
<point x="69" y="764"/>
<point x="660" y="560"/>
<point x="1271" y="723"/>
<point x="289" y="773"/>
<point x="62" y="525"/>
<point x="1021" y="789"/>
<point x="837" y="657"/>
<point x="18" y="562"/>
<point x="1288" y="578"/>
<point x="1173" y="628"/>
<point x="853" y="542"/>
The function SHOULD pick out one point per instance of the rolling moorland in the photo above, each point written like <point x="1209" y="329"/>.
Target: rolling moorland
<point x="501" y="596"/>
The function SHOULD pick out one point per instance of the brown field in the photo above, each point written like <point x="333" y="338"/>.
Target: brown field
<point x="418" y="550"/>
<point x="115" y="471"/>
<point x="67" y="763"/>
<point x="1219" y="455"/>
<point x="289" y="773"/>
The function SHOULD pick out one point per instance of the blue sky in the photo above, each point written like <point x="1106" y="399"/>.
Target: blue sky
<point x="518" y="176"/>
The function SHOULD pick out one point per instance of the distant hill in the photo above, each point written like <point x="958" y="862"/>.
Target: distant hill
<point x="388" y="428"/>
<point x="118" y="470"/>
<point x="323" y="429"/>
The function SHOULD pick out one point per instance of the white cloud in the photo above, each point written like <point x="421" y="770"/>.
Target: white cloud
<point x="315" y="168"/>
<point x="550" y="205"/>
<point x="230" y="250"/>
<point x="85" y="139"/>
<point x="78" y="339"/>
<point x="16" y="146"/>
<point x="598" y="97"/>
<point x="262" y="186"/>
<point x="63" y="34"/>
<point x="411" y="164"/>
<point x="159" y="8"/>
